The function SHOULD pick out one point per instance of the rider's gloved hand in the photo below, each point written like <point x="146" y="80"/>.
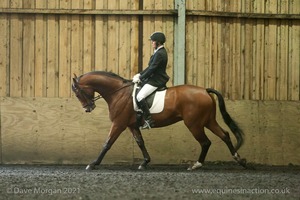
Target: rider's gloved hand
<point x="136" y="78"/>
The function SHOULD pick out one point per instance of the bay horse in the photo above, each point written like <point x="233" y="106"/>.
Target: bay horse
<point x="194" y="105"/>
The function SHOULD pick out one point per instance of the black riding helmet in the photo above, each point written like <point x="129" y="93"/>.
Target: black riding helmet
<point x="158" y="37"/>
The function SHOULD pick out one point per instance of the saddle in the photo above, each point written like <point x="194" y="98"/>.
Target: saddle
<point x="155" y="100"/>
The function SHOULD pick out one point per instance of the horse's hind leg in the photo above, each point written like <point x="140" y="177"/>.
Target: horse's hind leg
<point x="224" y="135"/>
<point x="205" y="143"/>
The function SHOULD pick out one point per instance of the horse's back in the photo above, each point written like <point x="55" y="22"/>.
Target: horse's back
<point x="189" y="94"/>
<point x="189" y="91"/>
<point x="189" y="102"/>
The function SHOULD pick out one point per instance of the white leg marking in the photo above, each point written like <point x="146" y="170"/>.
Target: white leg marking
<point x="195" y="166"/>
<point x="236" y="156"/>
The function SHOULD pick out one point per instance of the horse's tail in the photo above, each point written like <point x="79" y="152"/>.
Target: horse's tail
<point x="238" y="133"/>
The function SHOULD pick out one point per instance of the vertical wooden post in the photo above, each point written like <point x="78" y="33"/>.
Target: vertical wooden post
<point x="179" y="44"/>
<point x="140" y="37"/>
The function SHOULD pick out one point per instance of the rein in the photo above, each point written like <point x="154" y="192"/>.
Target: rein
<point x="101" y="96"/>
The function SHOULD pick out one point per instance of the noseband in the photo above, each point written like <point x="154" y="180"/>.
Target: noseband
<point x="90" y="101"/>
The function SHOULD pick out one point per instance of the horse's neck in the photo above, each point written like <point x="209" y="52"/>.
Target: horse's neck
<point x="105" y="85"/>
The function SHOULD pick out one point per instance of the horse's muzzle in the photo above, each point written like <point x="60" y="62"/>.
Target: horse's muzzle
<point x="89" y="108"/>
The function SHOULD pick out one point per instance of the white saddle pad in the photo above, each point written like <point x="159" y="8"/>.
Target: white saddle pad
<point x="158" y="102"/>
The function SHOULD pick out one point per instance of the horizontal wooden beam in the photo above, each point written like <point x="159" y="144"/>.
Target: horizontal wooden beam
<point x="86" y="11"/>
<point x="241" y="15"/>
<point x="147" y="12"/>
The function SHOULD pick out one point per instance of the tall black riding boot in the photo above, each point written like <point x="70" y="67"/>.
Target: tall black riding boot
<point x="149" y="123"/>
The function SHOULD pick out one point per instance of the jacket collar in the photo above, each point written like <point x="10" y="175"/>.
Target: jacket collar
<point x="162" y="46"/>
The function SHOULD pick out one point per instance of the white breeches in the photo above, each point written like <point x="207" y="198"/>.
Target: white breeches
<point x="145" y="91"/>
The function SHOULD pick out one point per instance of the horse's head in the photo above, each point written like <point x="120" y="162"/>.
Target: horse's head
<point x="85" y="94"/>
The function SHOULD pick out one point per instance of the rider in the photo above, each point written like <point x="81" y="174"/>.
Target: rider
<point x="154" y="76"/>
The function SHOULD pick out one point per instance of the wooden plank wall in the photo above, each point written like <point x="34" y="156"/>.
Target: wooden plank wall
<point x="245" y="58"/>
<point x="39" y="53"/>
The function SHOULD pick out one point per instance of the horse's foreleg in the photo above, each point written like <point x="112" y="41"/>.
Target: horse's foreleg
<point x="113" y="136"/>
<point x="105" y="148"/>
<point x="140" y="141"/>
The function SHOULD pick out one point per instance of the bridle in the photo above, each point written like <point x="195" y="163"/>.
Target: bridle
<point x="91" y="100"/>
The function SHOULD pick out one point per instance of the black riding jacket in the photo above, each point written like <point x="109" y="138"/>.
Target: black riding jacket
<point x="155" y="74"/>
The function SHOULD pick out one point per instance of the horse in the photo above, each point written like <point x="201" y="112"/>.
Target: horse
<point x="194" y="105"/>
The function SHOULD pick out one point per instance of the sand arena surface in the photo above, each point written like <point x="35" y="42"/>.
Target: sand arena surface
<point x="213" y="181"/>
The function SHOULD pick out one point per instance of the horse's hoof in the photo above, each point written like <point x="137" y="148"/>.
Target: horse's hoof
<point x="195" y="166"/>
<point x="243" y="162"/>
<point x="90" y="167"/>
<point x="142" y="167"/>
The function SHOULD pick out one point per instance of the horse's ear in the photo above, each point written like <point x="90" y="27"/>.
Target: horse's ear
<point x="74" y="76"/>
<point x="75" y="81"/>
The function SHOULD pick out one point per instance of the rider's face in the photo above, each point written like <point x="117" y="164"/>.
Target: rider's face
<point x="154" y="44"/>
